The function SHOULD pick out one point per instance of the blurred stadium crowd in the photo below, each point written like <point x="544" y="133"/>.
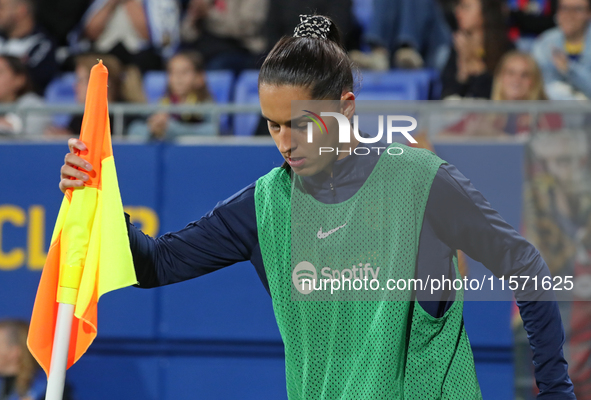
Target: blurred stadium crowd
<point x="208" y="51"/>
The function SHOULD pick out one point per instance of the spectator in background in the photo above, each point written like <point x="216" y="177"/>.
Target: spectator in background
<point x="564" y="53"/>
<point x="406" y="34"/>
<point x="186" y="85"/>
<point x="285" y="14"/>
<point x="21" y="378"/>
<point x="22" y="37"/>
<point x="517" y="78"/>
<point x="138" y="32"/>
<point x="16" y="87"/>
<point x="479" y="43"/>
<point x="227" y="33"/>
<point x="123" y="87"/>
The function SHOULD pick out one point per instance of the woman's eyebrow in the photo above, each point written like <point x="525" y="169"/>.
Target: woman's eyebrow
<point x="295" y="120"/>
<point x="267" y="118"/>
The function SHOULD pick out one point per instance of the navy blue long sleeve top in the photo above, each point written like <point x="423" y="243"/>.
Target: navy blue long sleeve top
<point x="457" y="216"/>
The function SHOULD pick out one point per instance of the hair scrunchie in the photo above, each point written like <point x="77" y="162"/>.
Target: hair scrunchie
<point x="315" y="26"/>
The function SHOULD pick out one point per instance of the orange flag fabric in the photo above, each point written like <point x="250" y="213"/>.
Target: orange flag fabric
<point x="89" y="253"/>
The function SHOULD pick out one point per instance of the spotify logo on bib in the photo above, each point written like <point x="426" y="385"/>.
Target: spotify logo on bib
<point x="303" y="276"/>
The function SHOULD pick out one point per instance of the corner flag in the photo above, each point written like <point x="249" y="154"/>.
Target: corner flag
<point x="89" y="253"/>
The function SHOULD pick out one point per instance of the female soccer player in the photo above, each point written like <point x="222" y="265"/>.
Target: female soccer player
<point x="370" y="212"/>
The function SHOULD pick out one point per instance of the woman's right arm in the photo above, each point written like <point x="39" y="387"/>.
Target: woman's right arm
<point x="226" y="235"/>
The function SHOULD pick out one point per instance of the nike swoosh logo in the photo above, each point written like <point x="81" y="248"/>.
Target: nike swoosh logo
<point x="323" y="235"/>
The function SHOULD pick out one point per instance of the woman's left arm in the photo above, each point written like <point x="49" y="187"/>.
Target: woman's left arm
<point x="463" y="219"/>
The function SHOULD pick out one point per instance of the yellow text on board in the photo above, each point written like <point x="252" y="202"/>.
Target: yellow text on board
<point x="33" y="251"/>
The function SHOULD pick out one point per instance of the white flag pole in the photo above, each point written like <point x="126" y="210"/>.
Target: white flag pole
<point x="59" y="356"/>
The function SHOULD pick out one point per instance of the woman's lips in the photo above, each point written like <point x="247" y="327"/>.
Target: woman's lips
<point x="296" y="162"/>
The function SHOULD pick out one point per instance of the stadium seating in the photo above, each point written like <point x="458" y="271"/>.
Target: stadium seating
<point x="246" y="91"/>
<point x="61" y="91"/>
<point x="389" y="85"/>
<point x="429" y="81"/>
<point x="396" y="85"/>
<point x="154" y="85"/>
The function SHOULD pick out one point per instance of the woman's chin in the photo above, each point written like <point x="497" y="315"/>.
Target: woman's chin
<point x="306" y="170"/>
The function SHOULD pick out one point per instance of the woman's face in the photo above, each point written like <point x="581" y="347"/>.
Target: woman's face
<point x="469" y="15"/>
<point x="517" y="79"/>
<point x="291" y="137"/>
<point x="9" y="82"/>
<point x="182" y="77"/>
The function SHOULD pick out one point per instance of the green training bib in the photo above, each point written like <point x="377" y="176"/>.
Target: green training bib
<point x="364" y="340"/>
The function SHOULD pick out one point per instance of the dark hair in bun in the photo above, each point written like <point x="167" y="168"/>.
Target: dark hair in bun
<point x="313" y="58"/>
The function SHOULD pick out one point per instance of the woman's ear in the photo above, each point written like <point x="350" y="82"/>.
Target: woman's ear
<point x="348" y="104"/>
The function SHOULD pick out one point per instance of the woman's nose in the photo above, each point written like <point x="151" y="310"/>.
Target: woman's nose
<point x="285" y="140"/>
